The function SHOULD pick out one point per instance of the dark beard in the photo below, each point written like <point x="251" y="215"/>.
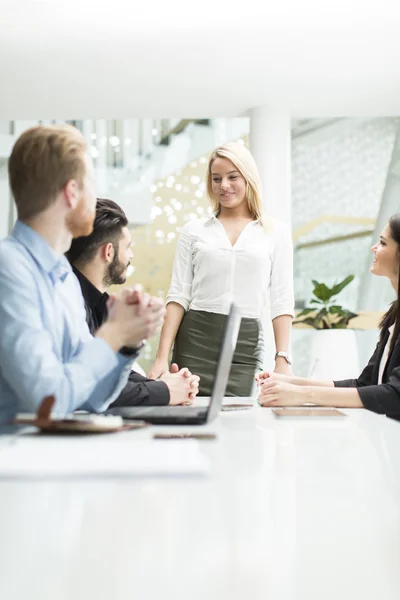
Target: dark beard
<point x="115" y="273"/>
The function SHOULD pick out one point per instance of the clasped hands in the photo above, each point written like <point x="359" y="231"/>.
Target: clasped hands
<point x="276" y="389"/>
<point x="141" y="316"/>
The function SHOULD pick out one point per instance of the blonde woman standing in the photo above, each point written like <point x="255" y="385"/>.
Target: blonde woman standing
<point x="237" y="254"/>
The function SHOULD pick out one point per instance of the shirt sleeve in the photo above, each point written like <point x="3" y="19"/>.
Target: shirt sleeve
<point x="92" y="377"/>
<point x="180" y="289"/>
<point x="281" y="286"/>
<point x="383" y="398"/>
<point x="140" y="391"/>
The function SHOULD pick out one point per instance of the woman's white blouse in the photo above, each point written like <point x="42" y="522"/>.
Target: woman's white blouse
<point x="256" y="273"/>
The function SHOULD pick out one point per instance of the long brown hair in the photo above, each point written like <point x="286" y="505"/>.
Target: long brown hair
<point x="392" y="315"/>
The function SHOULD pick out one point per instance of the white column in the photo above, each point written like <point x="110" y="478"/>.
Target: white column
<point x="270" y="144"/>
<point x="131" y="144"/>
<point x="147" y="136"/>
<point x="87" y="130"/>
<point x="101" y="160"/>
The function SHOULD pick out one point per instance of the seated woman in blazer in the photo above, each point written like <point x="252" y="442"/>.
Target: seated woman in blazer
<point x="378" y="386"/>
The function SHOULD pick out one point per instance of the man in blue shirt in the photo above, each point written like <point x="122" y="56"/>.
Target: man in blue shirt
<point x="45" y="345"/>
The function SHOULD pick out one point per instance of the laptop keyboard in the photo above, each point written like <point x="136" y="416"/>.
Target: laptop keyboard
<point x="232" y="407"/>
<point x="160" y="411"/>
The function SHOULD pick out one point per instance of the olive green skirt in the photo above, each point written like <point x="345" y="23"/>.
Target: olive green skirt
<point x="197" y="347"/>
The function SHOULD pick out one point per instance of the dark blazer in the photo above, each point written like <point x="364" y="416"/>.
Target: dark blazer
<point x="139" y="390"/>
<point x="385" y="397"/>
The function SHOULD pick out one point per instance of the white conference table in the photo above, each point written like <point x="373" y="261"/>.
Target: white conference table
<point x="296" y="509"/>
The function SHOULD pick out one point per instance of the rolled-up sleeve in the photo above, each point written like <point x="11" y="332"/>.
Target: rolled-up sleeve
<point x="281" y="285"/>
<point x="180" y="289"/>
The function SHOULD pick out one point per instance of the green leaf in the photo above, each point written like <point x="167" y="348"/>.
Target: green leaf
<point x="340" y="286"/>
<point x="322" y="292"/>
<point x="344" y="321"/>
<point x="314" y="301"/>
<point x="312" y="322"/>
<point x="337" y="310"/>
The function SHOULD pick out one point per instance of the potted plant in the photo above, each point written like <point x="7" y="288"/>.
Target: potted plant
<point x="333" y="353"/>
<point x="327" y="314"/>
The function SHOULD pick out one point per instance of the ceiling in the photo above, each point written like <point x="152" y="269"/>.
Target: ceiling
<point x="120" y="59"/>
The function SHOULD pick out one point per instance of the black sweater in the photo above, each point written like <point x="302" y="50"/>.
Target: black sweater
<point x="139" y="390"/>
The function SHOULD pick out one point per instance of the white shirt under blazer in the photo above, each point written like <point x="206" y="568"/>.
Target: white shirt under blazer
<point x="256" y="273"/>
<point x="385" y="355"/>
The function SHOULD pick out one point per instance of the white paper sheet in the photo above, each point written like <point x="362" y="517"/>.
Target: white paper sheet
<point x="59" y="457"/>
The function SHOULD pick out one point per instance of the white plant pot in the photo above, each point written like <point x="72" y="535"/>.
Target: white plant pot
<point x="333" y="354"/>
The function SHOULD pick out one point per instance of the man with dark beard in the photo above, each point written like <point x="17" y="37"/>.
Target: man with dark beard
<point x="100" y="260"/>
<point x="45" y="345"/>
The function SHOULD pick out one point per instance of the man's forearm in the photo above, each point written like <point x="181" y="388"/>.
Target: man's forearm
<point x="142" y="391"/>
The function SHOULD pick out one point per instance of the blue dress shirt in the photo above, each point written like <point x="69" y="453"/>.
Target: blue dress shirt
<point x="45" y="344"/>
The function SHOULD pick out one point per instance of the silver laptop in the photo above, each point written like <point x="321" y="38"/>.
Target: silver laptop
<point x="190" y="415"/>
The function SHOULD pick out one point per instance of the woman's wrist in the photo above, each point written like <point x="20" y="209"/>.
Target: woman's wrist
<point x="162" y="356"/>
<point x="301" y="381"/>
<point x="282" y="366"/>
<point x="308" y="394"/>
<point x="282" y="357"/>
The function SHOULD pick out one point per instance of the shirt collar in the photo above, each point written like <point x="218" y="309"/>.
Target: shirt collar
<point x="213" y="217"/>
<point x="92" y="296"/>
<point x="57" y="267"/>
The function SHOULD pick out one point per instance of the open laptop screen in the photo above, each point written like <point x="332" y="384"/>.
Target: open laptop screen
<point x="228" y="345"/>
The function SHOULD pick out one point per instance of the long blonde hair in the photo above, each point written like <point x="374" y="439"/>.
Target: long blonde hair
<point x="241" y="157"/>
